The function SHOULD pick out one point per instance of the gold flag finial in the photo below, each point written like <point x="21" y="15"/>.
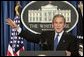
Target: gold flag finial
<point x="50" y="2"/>
<point x="81" y="7"/>
<point x="17" y="8"/>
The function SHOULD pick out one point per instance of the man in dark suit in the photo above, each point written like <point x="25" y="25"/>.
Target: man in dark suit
<point x="52" y="40"/>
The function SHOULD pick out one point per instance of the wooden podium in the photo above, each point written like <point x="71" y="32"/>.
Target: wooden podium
<point x="43" y="53"/>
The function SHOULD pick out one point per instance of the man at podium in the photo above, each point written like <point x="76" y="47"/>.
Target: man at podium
<point x="57" y="40"/>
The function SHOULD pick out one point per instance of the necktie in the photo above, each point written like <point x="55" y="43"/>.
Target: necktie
<point x="56" y="42"/>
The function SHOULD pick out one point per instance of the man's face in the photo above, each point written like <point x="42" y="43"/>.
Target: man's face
<point x="58" y="24"/>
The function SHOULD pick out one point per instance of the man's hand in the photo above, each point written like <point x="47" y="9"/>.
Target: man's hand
<point x="11" y="23"/>
<point x="68" y="53"/>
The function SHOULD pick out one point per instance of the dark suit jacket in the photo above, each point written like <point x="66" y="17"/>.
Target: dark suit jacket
<point x="46" y="39"/>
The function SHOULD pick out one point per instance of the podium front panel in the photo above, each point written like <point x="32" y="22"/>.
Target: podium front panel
<point x="42" y="53"/>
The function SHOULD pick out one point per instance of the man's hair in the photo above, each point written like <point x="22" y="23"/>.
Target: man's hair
<point x="59" y="15"/>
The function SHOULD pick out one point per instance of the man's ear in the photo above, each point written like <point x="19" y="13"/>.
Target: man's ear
<point x="65" y="26"/>
<point x="52" y="25"/>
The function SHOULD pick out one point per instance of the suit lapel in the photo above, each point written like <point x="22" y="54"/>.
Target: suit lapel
<point x="51" y="40"/>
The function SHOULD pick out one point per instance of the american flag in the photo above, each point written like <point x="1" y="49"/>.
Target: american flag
<point x="16" y="43"/>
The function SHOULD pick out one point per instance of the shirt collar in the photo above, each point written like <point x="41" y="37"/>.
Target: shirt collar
<point x="60" y="33"/>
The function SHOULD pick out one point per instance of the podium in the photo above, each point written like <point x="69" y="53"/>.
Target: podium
<point x="43" y="53"/>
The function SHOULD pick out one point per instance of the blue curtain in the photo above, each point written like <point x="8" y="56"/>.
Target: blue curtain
<point x="7" y="11"/>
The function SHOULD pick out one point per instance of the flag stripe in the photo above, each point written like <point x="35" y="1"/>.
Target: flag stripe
<point x="8" y="53"/>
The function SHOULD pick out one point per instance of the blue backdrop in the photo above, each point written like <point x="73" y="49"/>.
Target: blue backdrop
<point x="7" y="11"/>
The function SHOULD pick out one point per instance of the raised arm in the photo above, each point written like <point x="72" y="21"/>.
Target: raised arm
<point x="25" y="34"/>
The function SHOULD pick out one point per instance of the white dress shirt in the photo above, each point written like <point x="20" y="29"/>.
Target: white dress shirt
<point x="60" y="35"/>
